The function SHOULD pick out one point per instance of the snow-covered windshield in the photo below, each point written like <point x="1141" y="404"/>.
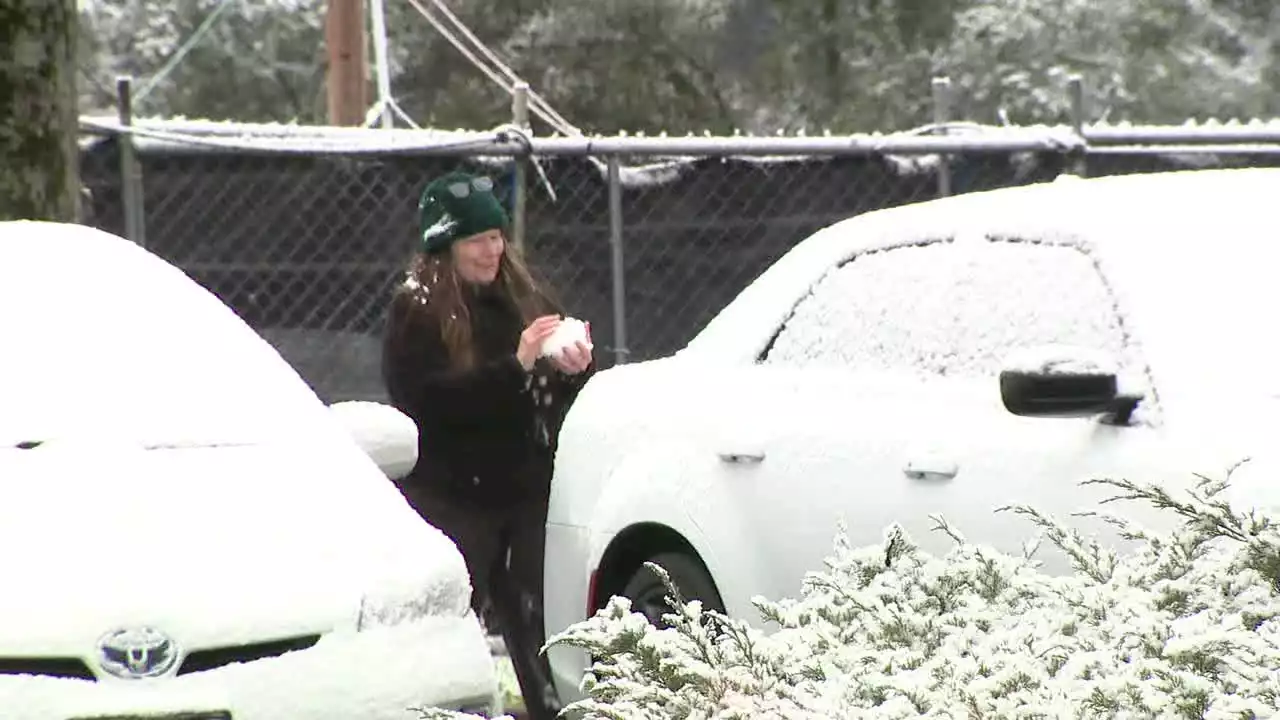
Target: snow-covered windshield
<point x="130" y="347"/>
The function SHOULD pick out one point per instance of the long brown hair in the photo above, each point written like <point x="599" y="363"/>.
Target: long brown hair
<point x="438" y="289"/>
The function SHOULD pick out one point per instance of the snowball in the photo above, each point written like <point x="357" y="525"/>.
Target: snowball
<point x="569" y="331"/>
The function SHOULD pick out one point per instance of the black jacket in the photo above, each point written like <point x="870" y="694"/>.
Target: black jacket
<point x="486" y="435"/>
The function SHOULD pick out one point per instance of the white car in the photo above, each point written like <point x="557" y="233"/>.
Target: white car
<point x="951" y="357"/>
<point x="187" y="530"/>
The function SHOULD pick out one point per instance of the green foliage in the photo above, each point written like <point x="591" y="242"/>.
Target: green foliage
<point x="634" y="64"/>
<point x="717" y="65"/>
<point x="256" y="62"/>
<point x="1158" y="61"/>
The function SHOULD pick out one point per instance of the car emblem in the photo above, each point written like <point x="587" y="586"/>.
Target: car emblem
<point x="136" y="653"/>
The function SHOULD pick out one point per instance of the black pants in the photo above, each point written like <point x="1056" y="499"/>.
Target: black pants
<point x="484" y="535"/>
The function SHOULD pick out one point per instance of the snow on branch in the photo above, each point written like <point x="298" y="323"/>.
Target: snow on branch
<point x="1185" y="626"/>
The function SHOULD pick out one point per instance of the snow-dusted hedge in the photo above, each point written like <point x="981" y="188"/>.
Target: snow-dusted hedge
<point x="1186" y="627"/>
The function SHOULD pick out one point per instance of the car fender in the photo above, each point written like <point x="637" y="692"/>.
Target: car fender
<point x="680" y="504"/>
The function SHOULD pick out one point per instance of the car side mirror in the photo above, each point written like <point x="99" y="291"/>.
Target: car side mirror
<point x="1056" y="381"/>
<point x="387" y="436"/>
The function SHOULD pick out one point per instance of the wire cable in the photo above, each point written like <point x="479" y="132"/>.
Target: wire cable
<point x="560" y="123"/>
<point x="507" y="86"/>
<point x="187" y="46"/>
<point x="460" y="46"/>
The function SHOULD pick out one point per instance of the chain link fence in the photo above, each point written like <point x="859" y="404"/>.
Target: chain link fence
<point x="304" y="233"/>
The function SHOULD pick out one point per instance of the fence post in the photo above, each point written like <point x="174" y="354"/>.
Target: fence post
<point x="1075" y="90"/>
<point x="620" y="350"/>
<point x="519" y="118"/>
<point x="130" y="172"/>
<point x="941" y="116"/>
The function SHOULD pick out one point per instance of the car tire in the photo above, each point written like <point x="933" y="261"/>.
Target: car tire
<point x="648" y="595"/>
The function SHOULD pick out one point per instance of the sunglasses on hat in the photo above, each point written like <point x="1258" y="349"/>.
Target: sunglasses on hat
<point x="463" y="189"/>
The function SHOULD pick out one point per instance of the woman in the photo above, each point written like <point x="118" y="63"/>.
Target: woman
<point x="461" y="357"/>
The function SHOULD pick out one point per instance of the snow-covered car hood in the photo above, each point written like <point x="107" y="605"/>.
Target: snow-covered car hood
<point x="213" y="545"/>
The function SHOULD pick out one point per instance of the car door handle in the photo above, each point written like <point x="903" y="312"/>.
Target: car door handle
<point x="742" y="458"/>
<point x="931" y="471"/>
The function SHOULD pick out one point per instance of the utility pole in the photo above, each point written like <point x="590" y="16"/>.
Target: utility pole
<point x="347" y="78"/>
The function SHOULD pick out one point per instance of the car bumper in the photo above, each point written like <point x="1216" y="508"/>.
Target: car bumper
<point x="567" y="583"/>
<point x="377" y="674"/>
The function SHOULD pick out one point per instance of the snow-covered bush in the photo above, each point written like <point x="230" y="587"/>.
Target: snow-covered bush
<point x="1186" y="626"/>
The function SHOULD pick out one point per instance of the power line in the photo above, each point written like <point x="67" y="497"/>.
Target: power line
<point x="538" y="105"/>
<point x="187" y="46"/>
<point x="534" y="97"/>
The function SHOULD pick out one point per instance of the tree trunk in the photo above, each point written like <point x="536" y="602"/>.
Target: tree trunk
<point x="39" y="157"/>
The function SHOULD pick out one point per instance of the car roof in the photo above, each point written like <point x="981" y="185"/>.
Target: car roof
<point x="104" y="329"/>
<point x="1130" y="219"/>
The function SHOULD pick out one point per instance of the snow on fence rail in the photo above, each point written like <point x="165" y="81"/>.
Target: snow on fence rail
<point x="304" y="230"/>
<point x="510" y="141"/>
<point x="205" y="136"/>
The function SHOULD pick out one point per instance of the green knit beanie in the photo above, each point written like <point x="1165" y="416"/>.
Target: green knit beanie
<point x="456" y="206"/>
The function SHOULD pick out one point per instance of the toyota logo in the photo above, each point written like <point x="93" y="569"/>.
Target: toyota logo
<point x="136" y="653"/>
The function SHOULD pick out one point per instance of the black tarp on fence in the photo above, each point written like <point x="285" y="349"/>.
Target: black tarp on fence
<point x="307" y="248"/>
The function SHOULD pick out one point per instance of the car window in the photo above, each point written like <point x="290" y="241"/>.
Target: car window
<point x="1016" y="294"/>
<point x="950" y="308"/>
<point x="887" y="309"/>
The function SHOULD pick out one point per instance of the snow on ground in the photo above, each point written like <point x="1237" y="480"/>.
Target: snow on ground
<point x="508" y="683"/>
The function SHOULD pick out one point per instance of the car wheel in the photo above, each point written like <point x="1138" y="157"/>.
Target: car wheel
<point x="648" y="594"/>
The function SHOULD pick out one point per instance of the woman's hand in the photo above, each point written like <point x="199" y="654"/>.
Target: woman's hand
<point x="531" y="339"/>
<point x="574" y="359"/>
